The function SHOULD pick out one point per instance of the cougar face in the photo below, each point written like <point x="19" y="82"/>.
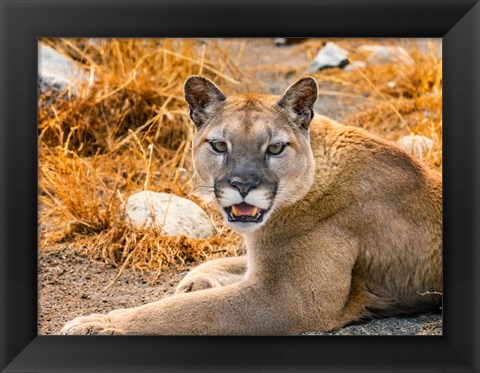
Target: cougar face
<point x="252" y="152"/>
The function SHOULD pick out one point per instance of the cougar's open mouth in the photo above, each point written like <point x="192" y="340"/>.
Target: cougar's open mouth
<point x="245" y="213"/>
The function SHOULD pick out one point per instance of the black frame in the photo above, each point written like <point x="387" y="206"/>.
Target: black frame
<point x="21" y="22"/>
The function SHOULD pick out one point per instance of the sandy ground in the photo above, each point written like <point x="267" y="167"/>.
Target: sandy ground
<point x="70" y="284"/>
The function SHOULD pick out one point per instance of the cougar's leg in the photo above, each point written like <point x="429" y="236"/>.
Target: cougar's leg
<point x="237" y="309"/>
<point x="287" y="290"/>
<point x="214" y="273"/>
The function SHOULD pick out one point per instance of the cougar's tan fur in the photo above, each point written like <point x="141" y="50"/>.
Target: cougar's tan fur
<point x="355" y="229"/>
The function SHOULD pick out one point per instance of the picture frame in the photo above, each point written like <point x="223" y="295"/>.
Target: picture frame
<point x="23" y="22"/>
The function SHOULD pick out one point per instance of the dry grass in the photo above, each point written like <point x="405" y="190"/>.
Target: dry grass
<point x="400" y="99"/>
<point x="127" y="129"/>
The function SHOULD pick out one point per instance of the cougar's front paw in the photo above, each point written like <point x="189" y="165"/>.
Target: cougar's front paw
<point x="92" y="324"/>
<point x="196" y="283"/>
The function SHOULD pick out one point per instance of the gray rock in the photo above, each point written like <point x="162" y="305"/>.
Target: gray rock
<point x="417" y="145"/>
<point x="175" y="215"/>
<point x="331" y="55"/>
<point x="57" y="71"/>
<point x="382" y="54"/>
<point x="427" y="324"/>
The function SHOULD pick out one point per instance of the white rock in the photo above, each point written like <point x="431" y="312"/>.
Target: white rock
<point x="331" y="55"/>
<point x="416" y="145"/>
<point x="57" y="70"/>
<point x="391" y="84"/>
<point x="380" y="54"/>
<point x="280" y="42"/>
<point x="175" y="215"/>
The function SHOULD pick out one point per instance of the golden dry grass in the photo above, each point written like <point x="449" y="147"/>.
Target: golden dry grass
<point x="400" y="99"/>
<point x="127" y="129"/>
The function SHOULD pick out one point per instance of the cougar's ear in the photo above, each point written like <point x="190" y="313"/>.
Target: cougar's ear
<point x="298" y="100"/>
<point x="202" y="97"/>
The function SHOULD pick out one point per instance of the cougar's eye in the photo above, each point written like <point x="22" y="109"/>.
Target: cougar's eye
<point x="219" y="146"/>
<point x="275" y="149"/>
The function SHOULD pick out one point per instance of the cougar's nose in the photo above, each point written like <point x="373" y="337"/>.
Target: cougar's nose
<point x="243" y="186"/>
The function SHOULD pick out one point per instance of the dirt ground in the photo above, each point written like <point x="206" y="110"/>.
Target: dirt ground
<point x="71" y="284"/>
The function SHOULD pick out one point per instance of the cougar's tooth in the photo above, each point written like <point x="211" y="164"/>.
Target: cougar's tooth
<point x="254" y="212"/>
<point x="234" y="210"/>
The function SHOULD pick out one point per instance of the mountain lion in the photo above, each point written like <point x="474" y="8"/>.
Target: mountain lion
<point x="339" y="225"/>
